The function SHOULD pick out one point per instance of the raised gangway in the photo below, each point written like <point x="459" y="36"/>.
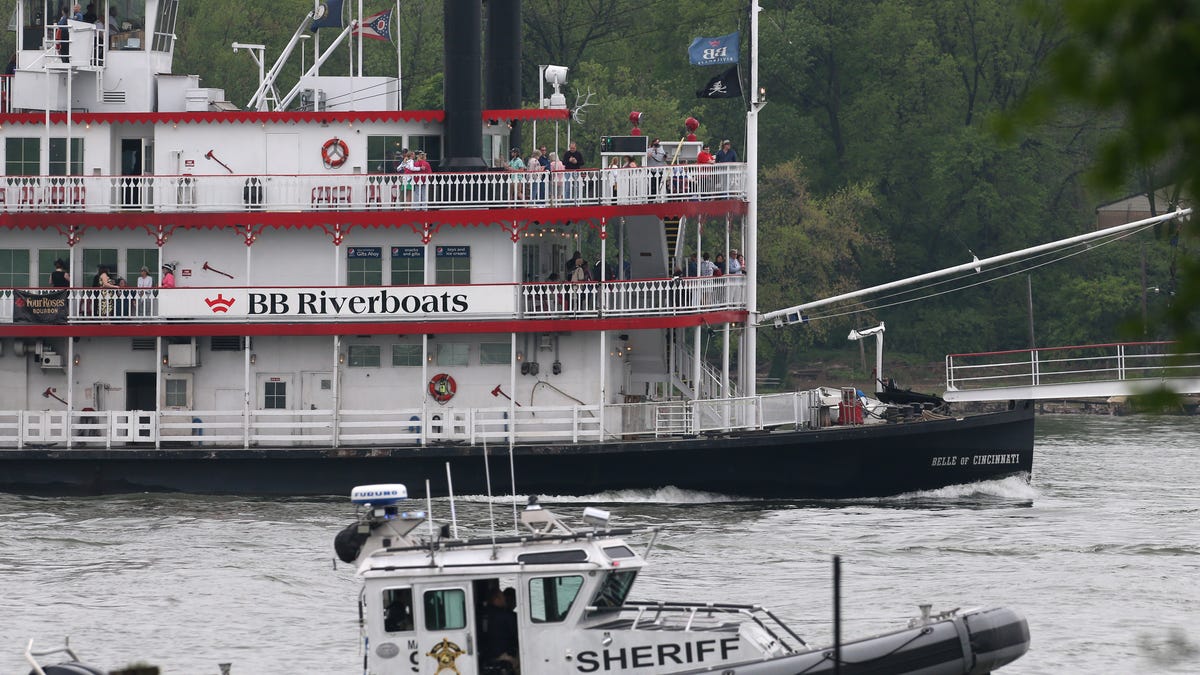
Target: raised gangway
<point x="1081" y="371"/>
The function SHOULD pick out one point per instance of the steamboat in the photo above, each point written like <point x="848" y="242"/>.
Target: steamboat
<point x="305" y="308"/>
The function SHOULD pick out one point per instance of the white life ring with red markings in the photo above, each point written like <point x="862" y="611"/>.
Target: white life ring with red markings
<point x="334" y="153"/>
<point x="442" y="387"/>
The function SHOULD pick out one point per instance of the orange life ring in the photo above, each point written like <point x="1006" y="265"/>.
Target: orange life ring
<point x="334" y="153"/>
<point x="442" y="387"/>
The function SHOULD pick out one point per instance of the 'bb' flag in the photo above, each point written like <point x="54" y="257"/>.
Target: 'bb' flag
<point x="332" y="17"/>
<point x="714" y="51"/>
<point x="725" y="85"/>
<point x="378" y="27"/>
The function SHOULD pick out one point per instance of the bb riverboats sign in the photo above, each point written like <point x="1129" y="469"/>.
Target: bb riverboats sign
<point x="350" y="303"/>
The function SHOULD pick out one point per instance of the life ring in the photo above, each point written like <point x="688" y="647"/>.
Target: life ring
<point x="334" y="153"/>
<point x="442" y="387"/>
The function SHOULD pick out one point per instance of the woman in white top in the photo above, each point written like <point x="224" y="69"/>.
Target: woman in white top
<point x="144" y="278"/>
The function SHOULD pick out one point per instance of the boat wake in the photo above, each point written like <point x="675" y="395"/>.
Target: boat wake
<point x="663" y="495"/>
<point x="1013" y="488"/>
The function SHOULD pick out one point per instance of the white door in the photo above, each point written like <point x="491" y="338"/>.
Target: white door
<point x="273" y="422"/>
<point x="446" y="629"/>
<point x="316" y="390"/>
<point x="284" y="150"/>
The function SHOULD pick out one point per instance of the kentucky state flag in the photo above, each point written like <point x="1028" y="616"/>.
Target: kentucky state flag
<point x="332" y="17"/>
<point x="725" y="85"/>
<point x="378" y="26"/>
<point x="714" y="51"/>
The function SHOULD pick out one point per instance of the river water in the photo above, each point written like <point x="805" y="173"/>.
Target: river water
<point x="1101" y="552"/>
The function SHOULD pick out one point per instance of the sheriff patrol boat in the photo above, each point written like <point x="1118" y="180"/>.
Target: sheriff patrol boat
<point x="272" y="297"/>
<point x="436" y="604"/>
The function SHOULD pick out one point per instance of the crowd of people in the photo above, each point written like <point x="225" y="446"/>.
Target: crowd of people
<point x="115" y="297"/>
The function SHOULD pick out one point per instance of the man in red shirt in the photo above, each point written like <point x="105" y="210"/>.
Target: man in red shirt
<point x="705" y="157"/>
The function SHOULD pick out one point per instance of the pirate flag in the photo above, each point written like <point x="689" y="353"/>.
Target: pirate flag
<point x="725" y="85"/>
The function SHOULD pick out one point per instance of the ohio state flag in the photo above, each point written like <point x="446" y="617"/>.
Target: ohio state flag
<point x="377" y="27"/>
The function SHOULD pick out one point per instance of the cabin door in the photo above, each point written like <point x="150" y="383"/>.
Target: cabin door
<point x="446" y="630"/>
<point x="140" y="392"/>
<point x="137" y="160"/>
<point x="316" y="394"/>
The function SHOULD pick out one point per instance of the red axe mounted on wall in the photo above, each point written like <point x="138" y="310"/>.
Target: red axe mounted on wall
<point x="210" y="155"/>
<point x="209" y="268"/>
<point x="499" y="392"/>
<point x="49" y="393"/>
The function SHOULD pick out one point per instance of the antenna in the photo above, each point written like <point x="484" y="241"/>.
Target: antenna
<point x="429" y="511"/>
<point x="453" y="514"/>
<point x="512" y="476"/>
<point x="487" y="474"/>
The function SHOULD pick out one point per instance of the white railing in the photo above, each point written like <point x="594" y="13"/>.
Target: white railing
<point x="644" y="297"/>
<point x="5" y="94"/>
<point x="1104" y="369"/>
<point x="359" y="192"/>
<point x="406" y="426"/>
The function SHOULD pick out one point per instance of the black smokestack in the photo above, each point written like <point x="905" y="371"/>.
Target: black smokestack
<point x="462" y="29"/>
<point x="502" y="65"/>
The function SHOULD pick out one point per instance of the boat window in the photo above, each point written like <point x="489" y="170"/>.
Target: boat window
<point x="59" y="166"/>
<point x="22" y="157"/>
<point x="175" y="393"/>
<point x="495" y="353"/>
<point x="164" y="28"/>
<point x="363" y="356"/>
<point x="46" y="258"/>
<point x="452" y="353"/>
<point x="383" y="153"/>
<point x="14" y="268"/>
<point x="398" y="610"/>
<point x="408" y="265"/>
<point x="615" y="552"/>
<point x="614" y="589"/>
<point x="550" y="598"/>
<point x="406" y="355"/>
<point x="445" y="609"/>
<point x="453" y="265"/>
<point x="274" y="395"/>
<point x="364" y="266"/>
<point x="550" y="557"/>
<point x="432" y="145"/>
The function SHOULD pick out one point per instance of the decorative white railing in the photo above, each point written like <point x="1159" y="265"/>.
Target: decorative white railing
<point x="404" y="426"/>
<point x="1080" y="371"/>
<point x="364" y="192"/>
<point x="643" y="297"/>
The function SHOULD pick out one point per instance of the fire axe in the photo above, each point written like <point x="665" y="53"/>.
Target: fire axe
<point x="50" y="393"/>
<point x="500" y="392"/>
<point x="209" y="268"/>
<point x="210" y="155"/>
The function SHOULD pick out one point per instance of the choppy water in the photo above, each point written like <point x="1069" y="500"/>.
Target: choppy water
<point x="1101" y="552"/>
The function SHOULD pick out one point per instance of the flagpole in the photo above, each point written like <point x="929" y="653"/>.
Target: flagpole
<point x="748" y="368"/>
<point x="400" y="70"/>
<point x="360" y="41"/>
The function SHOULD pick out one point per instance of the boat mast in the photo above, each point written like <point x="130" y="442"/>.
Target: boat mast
<point x="748" y="368"/>
<point x="792" y="314"/>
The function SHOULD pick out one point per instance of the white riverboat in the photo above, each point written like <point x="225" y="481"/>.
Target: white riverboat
<point x="556" y="599"/>
<point x="327" y="319"/>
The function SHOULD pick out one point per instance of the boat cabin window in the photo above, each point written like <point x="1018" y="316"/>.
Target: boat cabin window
<point x="614" y="589"/>
<point x="452" y="265"/>
<point x="22" y="157"/>
<point x="615" y="552"/>
<point x="550" y="598"/>
<point x="552" y="557"/>
<point x="445" y="609"/>
<point x="398" y="610"/>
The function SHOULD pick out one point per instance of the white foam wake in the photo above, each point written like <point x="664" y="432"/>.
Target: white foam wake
<point x="1012" y="488"/>
<point x="664" y="495"/>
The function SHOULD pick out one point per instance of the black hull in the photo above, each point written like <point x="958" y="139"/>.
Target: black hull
<point x="842" y="462"/>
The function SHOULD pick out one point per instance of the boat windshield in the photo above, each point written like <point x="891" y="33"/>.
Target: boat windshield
<point x="612" y="593"/>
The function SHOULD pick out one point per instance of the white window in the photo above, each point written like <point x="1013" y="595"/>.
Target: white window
<point x="452" y="353"/>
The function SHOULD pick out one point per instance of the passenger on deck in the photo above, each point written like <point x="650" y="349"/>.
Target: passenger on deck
<point x="498" y="642"/>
